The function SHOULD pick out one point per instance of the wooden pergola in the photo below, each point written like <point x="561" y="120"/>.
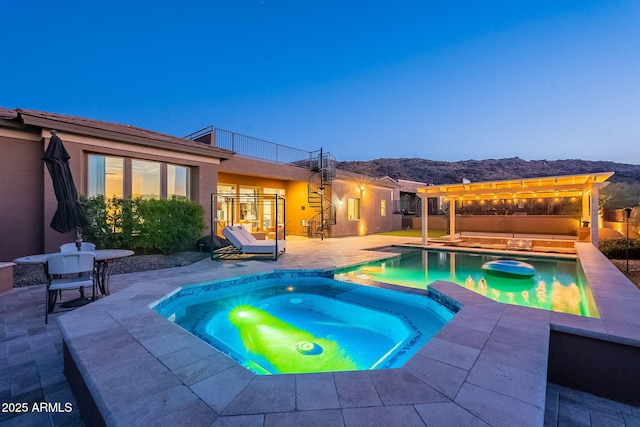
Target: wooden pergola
<point x="586" y="187"/>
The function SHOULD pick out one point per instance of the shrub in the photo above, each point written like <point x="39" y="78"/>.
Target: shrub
<point x="144" y="225"/>
<point x="168" y="225"/>
<point x="617" y="248"/>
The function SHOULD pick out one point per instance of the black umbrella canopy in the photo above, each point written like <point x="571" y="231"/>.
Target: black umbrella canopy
<point x="70" y="215"/>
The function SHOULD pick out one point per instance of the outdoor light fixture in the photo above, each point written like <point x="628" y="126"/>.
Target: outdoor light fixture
<point x="627" y="214"/>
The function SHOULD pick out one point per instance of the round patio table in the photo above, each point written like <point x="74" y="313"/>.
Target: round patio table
<point x="104" y="266"/>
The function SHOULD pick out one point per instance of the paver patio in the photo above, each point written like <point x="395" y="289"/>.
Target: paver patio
<point x="486" y="367"/>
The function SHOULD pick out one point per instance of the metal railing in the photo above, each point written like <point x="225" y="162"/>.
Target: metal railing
<point x="254" y="148"/>
<point x="411" y="206"/>
<point x="201" y="134"/>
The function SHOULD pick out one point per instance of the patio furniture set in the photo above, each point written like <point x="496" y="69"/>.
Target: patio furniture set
<point x="76" y="267"/>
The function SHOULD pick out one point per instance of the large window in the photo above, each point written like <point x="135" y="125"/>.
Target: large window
<point x="354" y="209"/>
<point x="145" y="179"/>
<point x="124" y="177"/>
<point x="106" y="176"/>
<point x="178" y="181"/>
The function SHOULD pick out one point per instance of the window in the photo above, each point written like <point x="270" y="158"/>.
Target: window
<point x="383" y="208"/>
<point x="269" y="213"/>
<point x="354" y="209"/>
<point x="224" y="211"/>
<point x="145" y="179"/>
<point x="248" y="198"/>
<point x="178" y="181"/>
<point x="124" y="177"/>
<point x="106" y="176"/>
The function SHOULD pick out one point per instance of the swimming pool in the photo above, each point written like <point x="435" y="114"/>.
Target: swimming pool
<point x="556" y="284"/>
<point x="297" y="324"/>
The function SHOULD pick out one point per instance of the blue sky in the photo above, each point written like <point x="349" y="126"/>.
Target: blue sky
<point x="441" y="80"/>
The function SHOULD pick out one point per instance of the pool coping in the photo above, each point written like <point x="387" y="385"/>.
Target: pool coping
<point x="488" y="365"/>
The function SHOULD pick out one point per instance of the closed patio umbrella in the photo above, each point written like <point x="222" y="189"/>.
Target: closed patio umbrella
<point x="69" y="215"/>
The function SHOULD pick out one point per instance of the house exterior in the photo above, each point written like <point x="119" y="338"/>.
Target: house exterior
<point x="315" y="191"/>
<point x="126" y="161"/>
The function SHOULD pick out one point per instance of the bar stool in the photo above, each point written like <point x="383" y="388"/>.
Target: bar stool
<point x="306" y="228"/>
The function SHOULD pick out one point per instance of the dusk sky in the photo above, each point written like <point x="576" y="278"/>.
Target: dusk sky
<point x="441" y="80"/>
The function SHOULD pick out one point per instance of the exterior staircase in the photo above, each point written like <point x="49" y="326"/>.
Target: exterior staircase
<point x="324" y="167"/>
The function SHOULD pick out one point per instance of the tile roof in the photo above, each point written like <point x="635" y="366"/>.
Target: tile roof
<point x="6" y="113"/>
<point x="63" y="122"/>
<point x="99" y="124"/>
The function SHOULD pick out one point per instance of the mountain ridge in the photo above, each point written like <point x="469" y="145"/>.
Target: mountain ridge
<point x="443" y="172"/>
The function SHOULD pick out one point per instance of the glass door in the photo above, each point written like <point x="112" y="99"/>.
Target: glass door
<point x="224" y="206"/>
<point x="273" y="220"/>
<point x="248" y="200"/>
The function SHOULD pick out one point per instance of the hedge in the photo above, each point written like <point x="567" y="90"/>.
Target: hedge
<point x="617" y="248"/>
<point x="143" y="225"/>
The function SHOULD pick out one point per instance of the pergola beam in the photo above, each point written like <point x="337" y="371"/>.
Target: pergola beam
<point x="545" y="191"/>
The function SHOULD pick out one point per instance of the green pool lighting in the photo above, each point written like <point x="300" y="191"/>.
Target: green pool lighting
<point x="287" y="348"/>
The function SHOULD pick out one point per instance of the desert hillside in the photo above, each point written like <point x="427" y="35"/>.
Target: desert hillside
<point x="624" y="189"/>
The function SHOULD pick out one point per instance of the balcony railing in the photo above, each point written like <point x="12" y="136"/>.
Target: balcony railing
<point x="254" y="148"/>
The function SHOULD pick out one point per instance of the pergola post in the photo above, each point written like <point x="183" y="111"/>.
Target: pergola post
<point x="425" y="218"/>
<point x="595" y="194"/>
<point x="586" y="206"/>
<point x="452" y="219"/>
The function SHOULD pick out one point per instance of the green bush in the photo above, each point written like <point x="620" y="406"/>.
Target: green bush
<point x="144" y="225"/>
<point x="617" y="248"/>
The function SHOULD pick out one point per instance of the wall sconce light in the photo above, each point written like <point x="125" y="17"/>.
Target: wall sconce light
<point x="340" y="203"/>
<point x="362" y="188"/>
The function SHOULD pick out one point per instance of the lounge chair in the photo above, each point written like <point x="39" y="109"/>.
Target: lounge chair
<point x="243" y="243"/>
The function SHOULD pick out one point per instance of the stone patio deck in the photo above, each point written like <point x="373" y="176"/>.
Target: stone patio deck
<point x="488" y="366"/>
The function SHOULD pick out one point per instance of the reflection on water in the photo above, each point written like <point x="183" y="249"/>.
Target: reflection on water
<point x="565" y="298"/>
<point x="555" y="285"/>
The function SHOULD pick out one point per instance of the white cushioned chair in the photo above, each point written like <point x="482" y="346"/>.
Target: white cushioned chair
<point x="243" y="242"/>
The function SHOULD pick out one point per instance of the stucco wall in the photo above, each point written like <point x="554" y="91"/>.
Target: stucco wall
<point x="297" y="207"/>
<point x="261" y="169"/>
<point x="621" y="227"/>
<point x="21" y="201"/>
<point x="539" y="224"/>
<point x="533" y="224"/>
<point x="372" y="220"/>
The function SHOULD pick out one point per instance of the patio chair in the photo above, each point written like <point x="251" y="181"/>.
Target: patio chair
<point x="68" y="270"/>
<point x="243" y="243"/>
<point x="306" y="227"/>
<point x="70" y="247"/>
<point x="319" y="229"/>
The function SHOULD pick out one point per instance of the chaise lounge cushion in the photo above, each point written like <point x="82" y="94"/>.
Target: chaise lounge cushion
<point x="244" y="241"/>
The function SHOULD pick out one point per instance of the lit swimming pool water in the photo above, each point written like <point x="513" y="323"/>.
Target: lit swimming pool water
<point x="556" y="284"/>
<point x="306" y="324"/>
